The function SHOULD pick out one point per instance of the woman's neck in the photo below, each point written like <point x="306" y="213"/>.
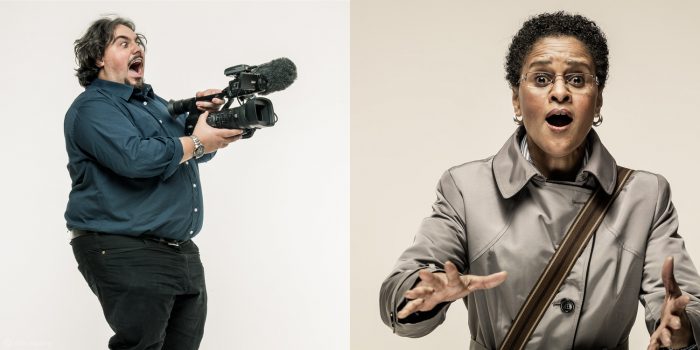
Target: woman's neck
<point x="557" y="168"/>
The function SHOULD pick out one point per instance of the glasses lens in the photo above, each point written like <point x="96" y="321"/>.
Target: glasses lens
<point x="575" y="81"/>
<point x="540" y="79"/>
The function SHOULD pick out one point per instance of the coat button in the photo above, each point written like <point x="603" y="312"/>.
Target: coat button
<point x="566" y="305"/>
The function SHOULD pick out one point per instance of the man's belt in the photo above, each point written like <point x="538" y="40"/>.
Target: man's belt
<point x="171" y="242"/>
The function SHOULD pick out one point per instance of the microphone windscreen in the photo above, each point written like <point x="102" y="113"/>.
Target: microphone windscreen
<point x="278" y="73"/>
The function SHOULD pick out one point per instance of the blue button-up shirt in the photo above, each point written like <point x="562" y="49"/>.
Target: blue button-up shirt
<point x="124" y="158"/>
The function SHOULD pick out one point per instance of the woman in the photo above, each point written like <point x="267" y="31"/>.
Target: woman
<point x="501" y="219"/>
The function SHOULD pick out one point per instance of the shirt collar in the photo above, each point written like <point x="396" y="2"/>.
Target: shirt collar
<point x="141" y="94"/>
<point x="526" y="151"/>
<point x="124" y="91"/>
<point x="512" y="171"/>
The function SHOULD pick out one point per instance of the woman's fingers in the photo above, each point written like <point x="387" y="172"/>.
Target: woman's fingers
<point x="411" y="307"/>
<point x="452" y="274"/>
<point x="485" y="282"/>
<point x="419" y="292"/>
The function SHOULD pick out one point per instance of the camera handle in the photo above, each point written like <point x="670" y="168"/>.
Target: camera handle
<point x="189" y="106"/>
<point x="191" y="122"/>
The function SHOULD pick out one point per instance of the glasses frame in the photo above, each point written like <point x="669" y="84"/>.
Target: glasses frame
<point x="554" y="77"/>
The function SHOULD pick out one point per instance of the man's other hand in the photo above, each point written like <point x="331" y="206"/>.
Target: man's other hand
<point x="211" y="106"/>
<point x="212" y="138"/>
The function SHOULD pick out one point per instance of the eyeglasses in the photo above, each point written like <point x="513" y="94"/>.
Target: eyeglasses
<point x="574" y="81"/>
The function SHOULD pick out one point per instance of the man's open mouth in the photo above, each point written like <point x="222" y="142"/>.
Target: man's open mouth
<point x="136" y="65"/>
<point x="559" y="118"/>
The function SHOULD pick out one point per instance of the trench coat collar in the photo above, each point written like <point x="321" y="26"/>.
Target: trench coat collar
<point x="512" y="171"/>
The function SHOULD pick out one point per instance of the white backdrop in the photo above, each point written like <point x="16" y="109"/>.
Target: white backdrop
<point x="275" y="237"/>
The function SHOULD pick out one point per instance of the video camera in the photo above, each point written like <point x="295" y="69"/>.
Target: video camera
<point x="253" y="112"/>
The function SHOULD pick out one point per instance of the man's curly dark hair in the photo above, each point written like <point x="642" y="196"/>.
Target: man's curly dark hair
<point x="557" y="24"/>
<point x="91" y="46"/>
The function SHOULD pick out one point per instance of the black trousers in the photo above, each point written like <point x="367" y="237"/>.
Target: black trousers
<point x="153" y="295"/>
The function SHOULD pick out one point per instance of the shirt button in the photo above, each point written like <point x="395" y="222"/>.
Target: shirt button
<point x="187" y="162"/>
<point x="196" y="210"/>
<point x="160" y="121"/>
<point x="566" y="305"/>
<point x="145" y="103"/>
<point x="191" y="232"/>
<point x="194" y="185"/>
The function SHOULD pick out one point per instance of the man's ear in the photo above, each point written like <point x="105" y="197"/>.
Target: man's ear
<point x="100" y="63"/>
<point x="516" y="102"/>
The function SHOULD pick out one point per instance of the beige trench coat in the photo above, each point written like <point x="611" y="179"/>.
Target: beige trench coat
<point x="501" y="214"/>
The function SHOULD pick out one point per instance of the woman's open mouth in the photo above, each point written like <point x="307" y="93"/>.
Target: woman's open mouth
<point x="559" y="120"/>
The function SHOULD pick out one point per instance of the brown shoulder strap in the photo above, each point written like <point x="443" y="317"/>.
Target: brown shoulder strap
<point x="582" y="229"/>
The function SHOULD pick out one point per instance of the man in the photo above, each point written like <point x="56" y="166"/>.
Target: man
<point x="136" y="199"/>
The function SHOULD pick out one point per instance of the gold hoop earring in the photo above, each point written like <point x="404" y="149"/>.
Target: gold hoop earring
<point x="517" y="120"/>
<point x="598" y="119"/>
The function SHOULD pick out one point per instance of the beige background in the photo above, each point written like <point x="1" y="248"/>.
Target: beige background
<point x="428" y="92"/>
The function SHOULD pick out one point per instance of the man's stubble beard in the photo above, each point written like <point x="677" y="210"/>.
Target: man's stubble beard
<point x="139" y="83"/>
